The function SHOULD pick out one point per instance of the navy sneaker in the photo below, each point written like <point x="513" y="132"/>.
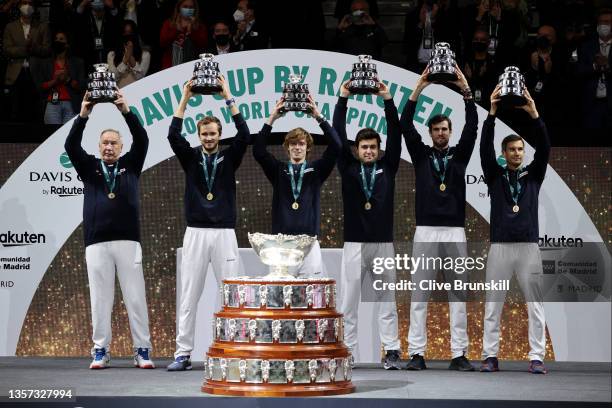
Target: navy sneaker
<point x="142" y="360"/>
<point x="181" y="363"/>
<point x="461" y="364"/>
<point x="392" y="360"/>
<point x="537" y="367"/>
<point x="489" y="365"/>
<point x="416" y="363"/>
<point x="101" y="359"/>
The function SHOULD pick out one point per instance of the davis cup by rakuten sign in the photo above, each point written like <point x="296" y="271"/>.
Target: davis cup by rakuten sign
<point x="41" y="203"/>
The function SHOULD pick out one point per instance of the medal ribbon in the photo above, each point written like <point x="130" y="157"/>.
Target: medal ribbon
<point x="514" y="192"/>
<point x="368" y="189"/>
<point x="436" y="165"/>
<point x="296" y="188"/>
<point x="210" y="179"/>
<point x="109" y="183"/>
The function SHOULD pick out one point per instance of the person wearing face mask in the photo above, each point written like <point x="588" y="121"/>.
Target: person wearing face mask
<point x="23" y="40"/>
<point x="479" y="68"/>
<point x="60" y="80"/>
<point x="129" y="61"/>
<point x="249" y="34"/>
<point x="514" y="189"/>
<point x="111" y="226"/>
<point x="183" y="36"/>
<point x="368" y="190"/>
<point x="594" y="62"/>
<point x="222" y="39"/>
<point x="440" y="172"/>
<point x="358" y="33"/>
<point x="296" y="182"/>
<point x="98" y="30"/>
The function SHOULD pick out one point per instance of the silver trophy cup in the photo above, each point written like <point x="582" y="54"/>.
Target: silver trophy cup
<point x="206" y="76"/>
<point x="281" y="251"/>
<point x="512" y="85"/>
<point x="442" y="64"/>
<point x="295" y="94"/>
<point x="102" y="86"/>
<point x="364" y="77"/>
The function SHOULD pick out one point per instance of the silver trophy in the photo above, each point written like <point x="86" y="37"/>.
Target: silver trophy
<point x="295" y="94"/>
<point x="102" y="85"/>
<point x="206" y="76"/>
<point x="512" y="85"/>
<point x="442" y="64"/>
<point x="281" y="251"/>
<point x="364" y="77"/>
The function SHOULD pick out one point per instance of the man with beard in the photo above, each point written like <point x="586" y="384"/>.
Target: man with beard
<point x="440" y="216"/>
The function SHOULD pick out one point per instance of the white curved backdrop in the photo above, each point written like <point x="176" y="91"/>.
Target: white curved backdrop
<point x="41" y="197"/>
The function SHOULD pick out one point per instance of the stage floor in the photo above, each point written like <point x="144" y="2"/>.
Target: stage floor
<point x="567" y="384"/>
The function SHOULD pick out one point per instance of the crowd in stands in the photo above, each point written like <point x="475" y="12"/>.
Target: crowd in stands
<point x="49" y="46"/>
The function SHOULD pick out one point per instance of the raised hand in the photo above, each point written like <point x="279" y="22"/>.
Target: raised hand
<point x="530" y="106"/>
<point x="121" y="103"/>
<point x="86" y="106"/>
<point x="383" y="90"/>
<point x="224" y="92"/>
<point x="345" y="92"/>
<point x="495" y="98"/>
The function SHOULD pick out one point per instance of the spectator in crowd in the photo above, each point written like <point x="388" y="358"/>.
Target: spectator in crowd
<point x="544" y="75"/>
<point x="249" y="34"/>
<point x="432" y="21"/>
<point x="358" y="33"/>
<point x="222" y="39"/>
<point x="60" y="80"/>
<point x="23" y="39"/>
<point x="479" y="68"/>
<point x="129" y="61"/>
<point x="97" y="30"/>
<point x="183" y="36"/>
<point x="594" y="66"/>
<point x="9" y="11"/>
<point x="512" y="32"/>
<point x="148" y="16"/>
<point x="61" y="14"/>
<point x="293" y="23"/>
<point x="343" y="7"/>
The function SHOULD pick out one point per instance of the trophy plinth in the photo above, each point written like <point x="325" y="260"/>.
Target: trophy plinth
<point x="102" y="85"/>
<point x="278" y="335"/>
<point x="206" y="76"/>
<point x="364" y="77"/>
<point x="295" y="94"/>
<point x="512" y="84"/>
<point x="442" y="64"/>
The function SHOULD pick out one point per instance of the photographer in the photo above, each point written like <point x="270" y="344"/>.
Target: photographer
<point x="358" y="33"/>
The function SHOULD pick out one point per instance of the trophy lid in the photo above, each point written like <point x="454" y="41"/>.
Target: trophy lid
<point x="512" y="68"/>
<point x="101" y="67"/>
<point x="364" y="58"/>
<point x="442" y="45"/>
<point x="207" y="56"/>
<point x="295" y="78"/>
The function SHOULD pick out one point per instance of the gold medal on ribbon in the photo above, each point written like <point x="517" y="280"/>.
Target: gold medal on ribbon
<point x="295" y="205"/>
<point x="210" y="196"/>
<point x="111" y="195"/>
<point x="367" y="206"/>
<point x="442" y="187"/>
<point x="515" y="209"/>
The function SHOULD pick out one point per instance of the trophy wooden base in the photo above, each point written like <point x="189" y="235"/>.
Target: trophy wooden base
<point x="278" y="390"/>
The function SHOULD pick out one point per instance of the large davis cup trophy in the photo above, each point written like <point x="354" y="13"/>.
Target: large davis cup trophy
<point x="278" y="335"/>
<point x="364" y="77"/>
<point x="295" y="94"/>
<point x="206" y="76"/>
<point x="442" y="64"/>
<point x="512" y="84"/>
<point x="102" y="86"/>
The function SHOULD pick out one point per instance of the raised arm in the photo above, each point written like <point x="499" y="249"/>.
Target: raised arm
<point x="465" y="147"/>
<point x="488" y="160"/>
<point x="326" y="163"/>
<point x="179" y="145"/>
<point x="77" y="155"/>
<point x="393" y="148"/>
<point x="542" y="153"/>
<point x="339" y="124"/>
<point x="266" y="160"/>
<point x="243" y="137"/>
<point x="412" y="138"/>
<point x="140" y="140"/>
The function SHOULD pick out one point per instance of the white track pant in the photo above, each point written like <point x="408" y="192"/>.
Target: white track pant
<point x="524" y="260"/>
<point x="126" y="258"/>
<point x="201" y="246"/>
<point x="357" y="259"/>
<point x="313" y="266"/>
<point x="417" y="335"/>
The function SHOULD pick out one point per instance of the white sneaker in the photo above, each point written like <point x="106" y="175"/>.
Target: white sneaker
<point x="101" y="359"/>
<point x="142" y="360"/>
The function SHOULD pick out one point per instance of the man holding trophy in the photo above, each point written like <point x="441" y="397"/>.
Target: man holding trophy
<point x="210" y="210"/>
<point x="368" y="188"/>
<point x="297" y="182"/>
<point x="112" y="229"/>
<point x="440" y="214"/>
<point x="514" y="191"/>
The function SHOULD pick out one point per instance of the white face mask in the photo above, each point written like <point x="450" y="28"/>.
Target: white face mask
<point x="26" y="10"/>
<point x="238" y="16"/>
<point x="603" y="30"/>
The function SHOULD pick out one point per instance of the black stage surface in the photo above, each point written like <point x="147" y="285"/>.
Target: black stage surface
<point x="567" y="385"/>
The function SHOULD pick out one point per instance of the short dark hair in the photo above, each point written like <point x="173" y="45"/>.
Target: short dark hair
<point x="209" y="119"/>
<point x="366" y="134"/>
<point x="603" y="11"/>
<point x="510" y="139"/>
<point x="439" y="118"/>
